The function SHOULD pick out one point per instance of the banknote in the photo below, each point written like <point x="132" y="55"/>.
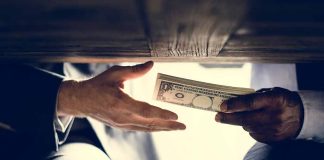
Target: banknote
<point x="194" y="94"/>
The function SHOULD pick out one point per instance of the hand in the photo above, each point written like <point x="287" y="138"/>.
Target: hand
<point x="102" y="98"/>
<point x="269" y="115"/>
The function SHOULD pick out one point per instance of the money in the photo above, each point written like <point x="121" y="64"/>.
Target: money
<point x="194" y="94"/>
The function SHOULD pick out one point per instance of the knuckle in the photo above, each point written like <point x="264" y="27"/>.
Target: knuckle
<point x="277" y="121"/>
<point x="273" y="96"/>
<point x="278" y="89"/>
<point x="292" y="100"/>
<point x="248" y="101"/>
<point x="281" y="96"/>
<point x="281" y="119"/>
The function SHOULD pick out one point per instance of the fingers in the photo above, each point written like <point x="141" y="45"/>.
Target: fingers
<point x="269" y="115"/>
<point x="151" y="118"/>
<point x="153" y="127"/>
<point x="139" y="123"/>
<point x="140" y="116"/>
<point x="244" y="118"/>
<point x="149" y="111"/>
<point x="142" y="129"/>
<point x="122" y="73"/>
<point x="248" y="102"/>
<point x="146" y="110"/>
<point x="154" y="118"/>
<point x="156" y="124"/>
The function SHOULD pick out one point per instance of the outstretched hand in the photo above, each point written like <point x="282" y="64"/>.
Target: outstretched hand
<point x="102" y="98"/>
<point x="269" y="115"/>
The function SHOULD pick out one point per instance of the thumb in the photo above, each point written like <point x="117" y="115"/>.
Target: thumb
<point x="123" y="73"/>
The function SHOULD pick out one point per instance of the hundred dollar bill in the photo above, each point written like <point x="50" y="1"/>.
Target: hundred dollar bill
<point x="194" y="94"/>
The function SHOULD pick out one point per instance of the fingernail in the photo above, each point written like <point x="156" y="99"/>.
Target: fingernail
<point x="144" y="65"/>
<point x="179" y="126"/>
<point x="182" y="127"/>
<point x="218" y="118"/>
<point x="223" y="106"/>
<point x="173" y="116"/>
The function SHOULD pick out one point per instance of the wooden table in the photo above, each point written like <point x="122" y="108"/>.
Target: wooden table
<point x="222" y="31"/>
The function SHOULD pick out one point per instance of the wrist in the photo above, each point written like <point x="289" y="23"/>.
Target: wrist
<point x="69" y="99"/>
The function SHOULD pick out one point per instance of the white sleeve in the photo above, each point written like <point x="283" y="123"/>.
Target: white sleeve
<point x="62" y="125"/>
<point x="313" y="125"/>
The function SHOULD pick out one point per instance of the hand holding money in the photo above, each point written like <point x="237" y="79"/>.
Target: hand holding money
<point x="269" y="115"/>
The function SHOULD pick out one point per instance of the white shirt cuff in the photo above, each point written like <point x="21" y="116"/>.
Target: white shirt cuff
<point x="62" y="125"/>
<point x="313" y="125"/>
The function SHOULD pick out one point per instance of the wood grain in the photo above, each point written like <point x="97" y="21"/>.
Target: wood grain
<point x="71" y="28"/>
<point x="191" y="28"/>
<point x="293" y="32"/>
<point x="209" y="31"/>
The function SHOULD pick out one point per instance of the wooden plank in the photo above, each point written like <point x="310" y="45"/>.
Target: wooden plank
<point x="274" y="31"/>
<point x="191" y="28"/>
<point x="223" y="59"/>
<point x="293" y="32"/>
<point x="71" y="28"/>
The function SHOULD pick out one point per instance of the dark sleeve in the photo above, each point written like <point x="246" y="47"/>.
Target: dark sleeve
<point x="28" y="105"/>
